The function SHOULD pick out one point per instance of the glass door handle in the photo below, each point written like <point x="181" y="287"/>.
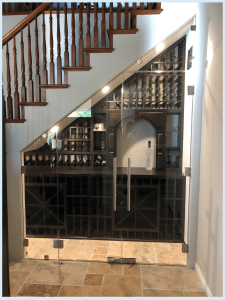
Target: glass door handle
<point x="114" y="182"/>
<point x="128" y="185"/>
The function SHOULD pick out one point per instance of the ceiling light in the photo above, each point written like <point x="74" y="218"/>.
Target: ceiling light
<point x="55" y="129"/>
<point x="105" y="89"/>
<point x="160" y="47"/>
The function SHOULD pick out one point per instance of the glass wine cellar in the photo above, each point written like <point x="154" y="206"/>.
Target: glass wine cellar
<point x="87" y="177"/>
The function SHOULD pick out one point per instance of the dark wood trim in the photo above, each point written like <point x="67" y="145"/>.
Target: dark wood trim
<point x="15" y="120"/>
<point x="146" y="12"/>
<point x="54" y="86"/>
<point x="122" y="31"/>
<point x="33" y="103"/>
<point x="7" y="37"/>
<point x="76" y="68"/>
<point x="99" y="50"/>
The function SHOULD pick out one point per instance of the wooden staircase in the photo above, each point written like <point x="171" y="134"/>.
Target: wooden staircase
<point x="77" y="45"/>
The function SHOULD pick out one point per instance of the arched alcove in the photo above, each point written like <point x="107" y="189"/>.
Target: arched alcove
<point x="133" y="143"/>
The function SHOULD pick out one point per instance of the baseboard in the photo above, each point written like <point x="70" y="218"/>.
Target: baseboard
<point x="203" y="281"/>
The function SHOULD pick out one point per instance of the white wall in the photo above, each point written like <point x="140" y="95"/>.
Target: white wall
<point x="210" y="213"/>
<point x="152" y="30"/>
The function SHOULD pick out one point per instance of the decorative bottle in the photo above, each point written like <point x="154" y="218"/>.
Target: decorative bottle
<point x="149" y="157"/>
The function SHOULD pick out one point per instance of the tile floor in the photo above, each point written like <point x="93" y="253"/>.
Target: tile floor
<point x="32" y="278"/>
<point x="99" y="250"/>
<point x="160" y="270"/>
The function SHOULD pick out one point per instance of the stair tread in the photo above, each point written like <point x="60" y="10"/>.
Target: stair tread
<point x="33" y="103"/>
<point x="54" y="86"/>
<point x="122" y="31"/>
<point x="99" y="50"/>
<point x="15" y="120"/>
<point x="76" y="68"/>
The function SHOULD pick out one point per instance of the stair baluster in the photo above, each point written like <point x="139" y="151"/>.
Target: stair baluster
<point x="81" y="45"/>
<point x="44" y="72"/>
<point x="59" y="72"/>
<point x="73" y="46"/>
<point x="134" y="17"/>
<point x="126" y="17"/>
<point x="142" y="5"/>
<point x="95" y="25"/>
<point x="30" y="81"/>
<point x="16" y="94"/>
<point x="111" y="25"/>
<point x="66" y="53"/>
<point x="51" y="64"/>
<point x="103" y="38"/>
<point x="88" y="35"/>
<point x="23" y="88"/>
<point x="9" y="98"/>
<point x="118" y="16"/>
<point x="37" y="76"/>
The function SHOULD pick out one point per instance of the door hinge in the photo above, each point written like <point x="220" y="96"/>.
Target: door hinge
<point x="191" y="90"/>
<point x="25" y="242"/>
<point x="187" y="171"/>
<point x="23" y="170"/>
<point x="58" y="244"/>
<point x="185" y="248"/>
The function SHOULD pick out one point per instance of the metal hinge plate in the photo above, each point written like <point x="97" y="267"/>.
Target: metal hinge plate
<point x="58" y="244"/>
<point x="120" y="260"/>
<point x="185" y="248"/>
<point x="187" y="171"/>
<point x="25" y="242"/>
<point x="191" y="90"/>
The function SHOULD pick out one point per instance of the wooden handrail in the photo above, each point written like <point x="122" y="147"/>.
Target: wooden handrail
<point x="7" y="37"/>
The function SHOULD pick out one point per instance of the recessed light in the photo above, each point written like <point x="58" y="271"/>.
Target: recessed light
<point x="105" y="89"/>
<point x="160" y="47"/>
<point x="139" y="61"/>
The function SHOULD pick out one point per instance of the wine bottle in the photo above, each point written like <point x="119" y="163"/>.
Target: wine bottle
<point x="26" y="160"/>
<point x="68" y="163"/>
<point x="104" y="163"/>
<point x="32" y="160"/>
<point x="149" y="157"/>
<point x="74" y="163"/>
<point x="98" y="161"/>
<point x="60" y="163"/>
<point x="88" y="163"/>
<point x="48" y="161"/>
<point x="81" y="162"/>
<point x="54" y="163"/>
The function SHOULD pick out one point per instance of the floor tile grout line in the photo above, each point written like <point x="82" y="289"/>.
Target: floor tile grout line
<point x="34" y="246"/>
<point x="102" y="285"/>
<point x="25" y="281"/>
<point x="141" y="281"/>
<point x="173" y="290"/>
<point x="60" y="290"/>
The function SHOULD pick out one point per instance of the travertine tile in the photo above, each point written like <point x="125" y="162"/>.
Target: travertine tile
<point x="95" y="243"/>
<point x="73" y="242"/>
<point x="162" y="293"/>
<point x="76" y="253"/>
<point x="121" y="286"/>
<point x="161" y="246"/>
<point x="170" y="257"/>
<point x="104" y="268"/>
<point x="194" y="294"/>
<point x="39" y="290"/>
<point x="50" y="272"/>
<point x="80" y="291"/>
<point x="103" y="258"/>
<point x="13" y="265"/>
<point x="170" y="277"/>
<point x="143" y="252"/>
<point x="115" y="249"/>
<point x="27" y="265"/>
<point x="44" y="247"/>
<point x="131" y="270"/>
<point x="93" y="279"/>
<point x="100" y="251"/>
<point x="16" y="280"/>
<point x="32" y="243"/>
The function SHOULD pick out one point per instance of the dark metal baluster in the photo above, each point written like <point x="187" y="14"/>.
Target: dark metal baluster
<point x="59" y="72"/>
<point x="23" y="88"/>
<point x="126" y="16"/>
<point x="30" y="81"/>
<point x="118" y="17"/>
<point x="51" y="64"/>
<point x="73" y="46"/>
<point x="88" y="35"/>
<point x="9" y="98"/>
<point x="37" y="76"/>
<point x="16" y="94"/>
<point x="66" y="53"/>
<point x="95" y="25"/>
<point x="44" y="72"/>
<point x="81" y="45"/>
<point x="103" y="39"/>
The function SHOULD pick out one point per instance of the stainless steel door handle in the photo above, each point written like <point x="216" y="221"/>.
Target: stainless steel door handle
<point x="114" y="182"/>
<point x="128" y="185"/>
